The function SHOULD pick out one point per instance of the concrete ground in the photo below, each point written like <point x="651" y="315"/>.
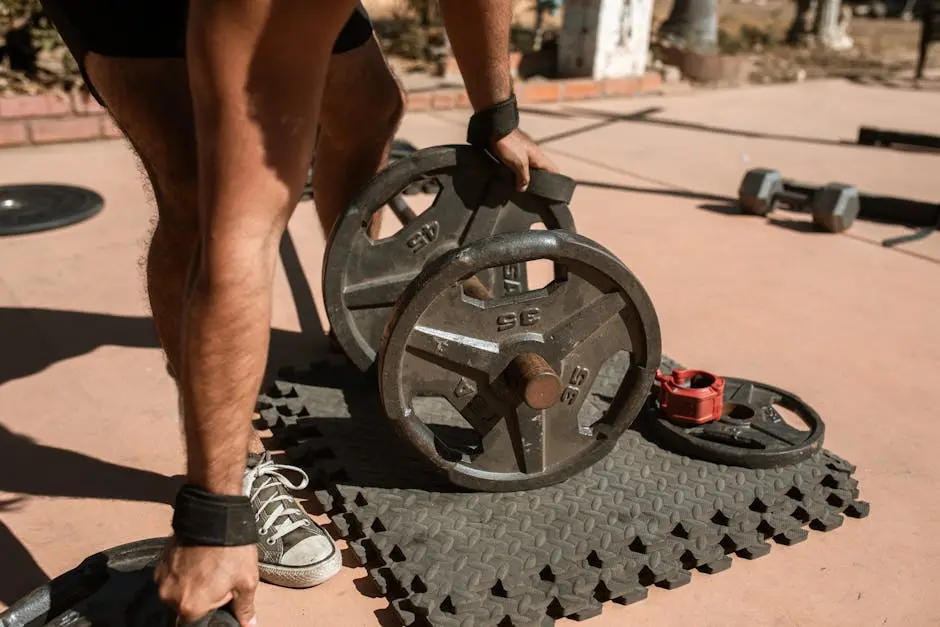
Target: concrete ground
<point x="90" y="445"/>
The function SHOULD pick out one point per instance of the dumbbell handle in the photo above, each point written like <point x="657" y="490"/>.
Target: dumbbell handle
<point x="793" y="198"/>
<point x="534" y="378"/>
<point x="804" y="189"/>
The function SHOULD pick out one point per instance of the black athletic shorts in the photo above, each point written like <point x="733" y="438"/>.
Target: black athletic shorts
<point x="149" y="29"/>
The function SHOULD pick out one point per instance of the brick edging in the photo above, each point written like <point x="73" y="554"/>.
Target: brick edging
<point x="60" y="118"/>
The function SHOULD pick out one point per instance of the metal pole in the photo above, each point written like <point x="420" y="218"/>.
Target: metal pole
<point x="827" y="21"/>
<point x="693" y="23"/>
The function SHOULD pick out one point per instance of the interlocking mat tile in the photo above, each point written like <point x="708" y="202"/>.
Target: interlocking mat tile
<point x="642" y="516"/>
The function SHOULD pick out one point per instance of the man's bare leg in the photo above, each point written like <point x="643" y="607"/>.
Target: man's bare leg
<point x="149" y="99"/>
<point x="151" y="102"/>
<point x="362" y="107"/>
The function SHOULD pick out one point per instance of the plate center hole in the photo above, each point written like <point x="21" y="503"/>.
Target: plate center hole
<point x="737" y="412"/>
<point x="701" y="380"/>
<point x="792" y="418"/>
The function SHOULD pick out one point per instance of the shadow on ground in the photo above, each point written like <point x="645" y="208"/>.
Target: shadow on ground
<point x="38" y="338"/>
<point x="20" y="573"/>
<point x="659" y="191"/>
<point x="646" y="116"/>
<point x="30" y="468"/>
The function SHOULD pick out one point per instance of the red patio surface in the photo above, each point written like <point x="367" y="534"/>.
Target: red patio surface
<point x="88" y="425"/>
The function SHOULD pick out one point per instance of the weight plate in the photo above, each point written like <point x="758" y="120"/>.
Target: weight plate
<point x="109" y="589"/>
<point x="363" y="278"/>
<point x="449" y="372"/>
<point x="39" y="207"/>
<point x="751" y="431"/>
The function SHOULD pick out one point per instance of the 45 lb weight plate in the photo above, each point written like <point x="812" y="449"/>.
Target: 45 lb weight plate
<point x="363" y="278"/>
<point x="751" y="430"/>
<point x="497" y="390"/>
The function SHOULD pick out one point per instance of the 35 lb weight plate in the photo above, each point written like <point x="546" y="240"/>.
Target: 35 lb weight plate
<point x="751" y="431"/>
<point x="40" y="207"/>
<point x="114" y="588"/>
<point x="498" y="392"/>
<point x="363" y="278"/>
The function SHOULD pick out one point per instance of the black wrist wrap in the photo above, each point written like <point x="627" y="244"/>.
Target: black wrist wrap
<point x="493" y="123"/>
<point x="204" y="519"/>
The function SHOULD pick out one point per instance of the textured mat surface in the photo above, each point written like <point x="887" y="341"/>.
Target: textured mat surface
<point x="642" y="516"/>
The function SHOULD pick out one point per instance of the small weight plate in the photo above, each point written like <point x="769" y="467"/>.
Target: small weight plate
<point x="446" y="373"/>
<point x="111" y="588"/>
<point x="362" y="277"/>
<point x="751" y="431"/>
<point x="38" y="207"/>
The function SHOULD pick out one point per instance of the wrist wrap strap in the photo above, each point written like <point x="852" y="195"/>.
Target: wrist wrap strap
<point x="493" y="123"/>
<point x="205" y="519"/>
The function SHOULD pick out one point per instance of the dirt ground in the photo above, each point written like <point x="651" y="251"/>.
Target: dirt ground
<point x="884" y="48"/>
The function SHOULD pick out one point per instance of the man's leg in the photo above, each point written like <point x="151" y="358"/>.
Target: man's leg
<point x="362" y="107"/>
<point x="142" y="80"/>
<point x="926" y="33"/>
<point x="150" y="101"/>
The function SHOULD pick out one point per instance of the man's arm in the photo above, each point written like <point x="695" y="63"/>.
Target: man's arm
<point x="479" y="36"/>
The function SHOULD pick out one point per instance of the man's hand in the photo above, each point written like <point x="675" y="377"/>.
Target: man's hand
<point x="195" y="580"/>
<point x="519" y="152"/>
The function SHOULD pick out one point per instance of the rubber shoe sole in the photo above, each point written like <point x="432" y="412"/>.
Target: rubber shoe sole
<point x="302" y="576"/>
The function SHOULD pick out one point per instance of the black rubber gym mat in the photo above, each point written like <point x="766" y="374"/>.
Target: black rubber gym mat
<point x="642" y="516"/>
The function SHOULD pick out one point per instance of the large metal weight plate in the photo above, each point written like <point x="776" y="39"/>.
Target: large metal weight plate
<point x="502" y="393"/>
<point x="362" y="277"/>
<point x="751" y="431"/>
<point x="40" y="207"/>
<point x="114" y="588"/>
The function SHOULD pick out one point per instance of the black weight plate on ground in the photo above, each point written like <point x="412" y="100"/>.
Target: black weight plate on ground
<point x="39" y="207"/>
<point x="114" y="588"/>
<point x="642" y="516"/>
<point x="443" y="345"/>
<point x="362" y="278"/>
<point x="751" y="431"/>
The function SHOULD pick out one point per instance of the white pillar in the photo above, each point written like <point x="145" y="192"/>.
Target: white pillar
<point x="605" y="38"/>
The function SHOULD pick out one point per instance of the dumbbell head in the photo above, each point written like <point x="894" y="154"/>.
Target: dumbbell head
<point x="757" y="191"/>
<point x="835" y="207"/>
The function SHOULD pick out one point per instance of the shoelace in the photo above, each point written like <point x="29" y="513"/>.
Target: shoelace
<point x="274" y="477"/>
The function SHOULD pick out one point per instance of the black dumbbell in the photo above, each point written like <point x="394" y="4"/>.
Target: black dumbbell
<point x="834" y="206"/>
